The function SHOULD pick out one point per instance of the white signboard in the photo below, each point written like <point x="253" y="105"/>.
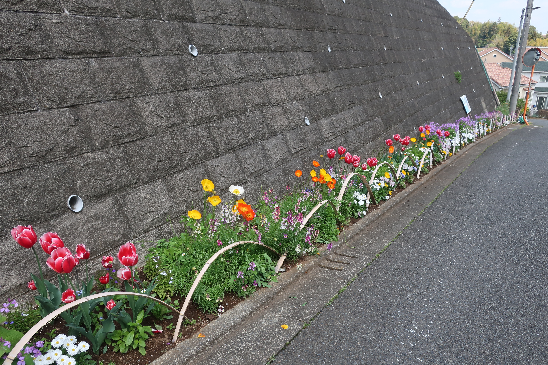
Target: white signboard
<point x="465" y="104"/>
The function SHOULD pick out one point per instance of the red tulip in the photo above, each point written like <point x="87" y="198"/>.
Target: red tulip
<point x="31" y="285"/>
<point x="124" y="273"/>
<point x="396" y="137"/>
<point x="388" y="142"/>
<point x="68" y="296"/>
<point x="438" y="132"/>
<point x="81" y="252"/>
<point x="356" y="163"/>
<point x="348" y="158"/>
<point x="128" y="254"/>
<point x="364" y="166"/>
<point x="111" y="304"/>
<point x="331" y="153"/>
<point x="24" y="236"/>
<point x="107" y="261"/>
<point x="372" y="162"/>
<point x="405" y="141"/>
<point x="356" y="158"/>
<point x="427" y="127"/>
<point x="61" y="260"/>
<point x="421" y="129"/>
<point x="50" y="241"/>
<point x="447" y="133"/>
<point x="341" y="150"/>
<point x="104" y="279"/>
<point x="403" y="149"/>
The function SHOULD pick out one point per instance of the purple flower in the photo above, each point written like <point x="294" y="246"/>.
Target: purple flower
<point x="240" y="275"/>
<point x="219" y="242"/>
<point x="255" y="283"/>
<point x="329" y="246"/>
<point x="40" y="344"/>
<point x="7" y="343"/>
<point x="252" y="266"/>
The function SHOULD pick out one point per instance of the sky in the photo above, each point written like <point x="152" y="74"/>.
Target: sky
<point x="507" y="10"/>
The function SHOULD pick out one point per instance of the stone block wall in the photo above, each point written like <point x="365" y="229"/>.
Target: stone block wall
<point x="103" y="99"/>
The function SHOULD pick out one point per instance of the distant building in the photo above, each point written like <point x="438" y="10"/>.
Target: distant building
<point x="540" y="77"/>
<point x="493" y="55"/>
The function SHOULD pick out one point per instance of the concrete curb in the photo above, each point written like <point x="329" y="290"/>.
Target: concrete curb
<point x="221" y="327"/>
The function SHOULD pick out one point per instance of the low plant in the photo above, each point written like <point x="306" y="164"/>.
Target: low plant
<point x="132" y="336"/>
<point x="458" y="76"/>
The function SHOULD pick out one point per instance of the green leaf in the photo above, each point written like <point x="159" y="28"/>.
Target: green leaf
<point x="140" y="317"/>
<point x="129" y="338"/>
<point x="12" y="336"/>
<point x="142" y="351"/>
<point x="141" y="343"/>
<point x="123" y="348"/>
<point x="40" y="286"/>
<point x="108" y="325"/>
<point x="54" y="293"/>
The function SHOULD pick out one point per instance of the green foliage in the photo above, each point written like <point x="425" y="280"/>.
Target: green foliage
<point x="458" y="76"/>
<point x="502" y="95"/>
<point x="160" y="311"/>
<point x="133" y="336"/>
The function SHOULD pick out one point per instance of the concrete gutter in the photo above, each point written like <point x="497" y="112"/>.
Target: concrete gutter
<point x="251" y="332"/>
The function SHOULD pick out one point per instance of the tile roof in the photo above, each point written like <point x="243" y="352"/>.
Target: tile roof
<point x="541" y="66"/>
<point x="486" y="51"/>
<point x="501" y="75"/>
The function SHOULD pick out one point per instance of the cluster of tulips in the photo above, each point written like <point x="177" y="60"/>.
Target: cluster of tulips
<point x="62" y="261"/>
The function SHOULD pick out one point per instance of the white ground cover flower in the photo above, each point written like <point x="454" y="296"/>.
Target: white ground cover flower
<point x="58" y="341"/>
<point x="83" y="346"/>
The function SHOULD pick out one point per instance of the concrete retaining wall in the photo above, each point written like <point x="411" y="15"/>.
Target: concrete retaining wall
<point x="103" y="99"/>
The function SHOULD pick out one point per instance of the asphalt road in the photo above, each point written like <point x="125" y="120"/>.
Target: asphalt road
<point x="464" y="283"/>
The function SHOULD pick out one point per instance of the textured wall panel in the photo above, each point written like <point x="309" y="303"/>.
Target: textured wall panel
<point x="102" y="99"/>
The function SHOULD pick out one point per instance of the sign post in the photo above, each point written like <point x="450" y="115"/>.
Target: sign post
<point x="530" y="59"/>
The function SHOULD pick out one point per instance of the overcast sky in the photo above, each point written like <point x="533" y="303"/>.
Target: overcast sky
<point x="507" y="10"/>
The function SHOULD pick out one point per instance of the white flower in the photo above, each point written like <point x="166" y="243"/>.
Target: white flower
<point x="236" y="190"/>
<point x="63" y="360"/>
<point x="53" y="355"/>
<point x="40" y="360"/>
<point x="72" y="350"/>
<point x="58" y="341"/>
<point x="83" y="346"/>
<point x="361" y="202"/>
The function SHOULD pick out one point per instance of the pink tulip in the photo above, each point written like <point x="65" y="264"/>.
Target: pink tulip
<point x="81" y="252"/>
<point x="24" y="236"/>
<point x="356" y="158"/>
<point x="446" y="134"/>
<point x="31" y="285"/>
<point x="61" y="260"/>
<point x="438" y="132"/>
<point x="372" y="162"/>
<point x="364" y="166"/>
<point x="111" y="304"/>
<point x="50" y="241"/>
<point x="128" y="254"/>
<point x="104" y="279"/>
<point x="107" y="261"/>
<point x="331" y="153"/>
<point x="348" y="158"/>
<point x="396" y="137"/>
<point x="388" y="142"/>
<point x="124" y="273"/>
<point x="421" y="129"/>
<point x="68" y="296"/>
<point x="341" y="150"/>
<point x="356" y="164"/>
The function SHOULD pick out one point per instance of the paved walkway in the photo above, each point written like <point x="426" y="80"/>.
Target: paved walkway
<point x="464" y="283"/>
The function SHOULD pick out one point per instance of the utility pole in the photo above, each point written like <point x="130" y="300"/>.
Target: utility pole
<point x="519" y="65"/>
<point x="516" y="50"/>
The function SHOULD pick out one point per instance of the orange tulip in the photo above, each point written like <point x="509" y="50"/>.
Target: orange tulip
<point x="391" y="149"/>
<point x="298" y="173"/>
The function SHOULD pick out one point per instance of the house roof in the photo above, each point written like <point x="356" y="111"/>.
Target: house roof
<point x="501" y="75"/>
<point x="485" y="51"/>
<point x="539" y="67"/>
<point x="541" y="89"/>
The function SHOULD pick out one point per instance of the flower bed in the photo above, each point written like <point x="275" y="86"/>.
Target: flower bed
<point x="225" y="247"/>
